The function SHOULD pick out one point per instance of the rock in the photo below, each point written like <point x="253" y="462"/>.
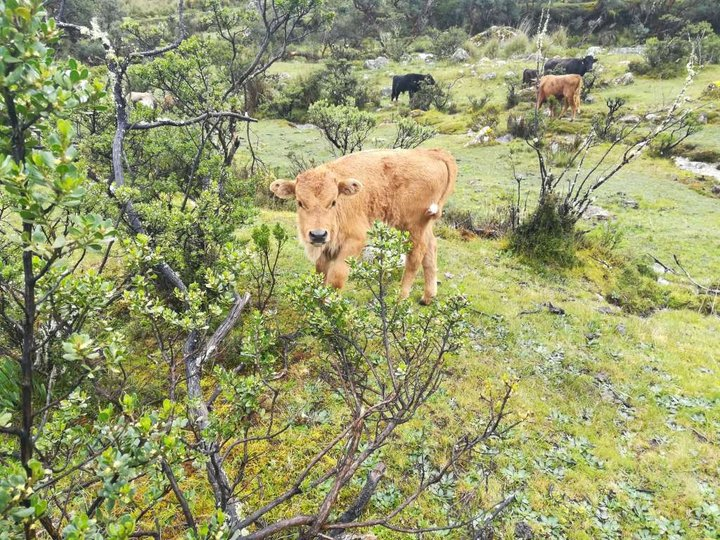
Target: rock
<point x="488" y="76"/>
<point x="589" y="99"/>
<point x="386" y="92"/>
<point x="702" y="118"/>
<point x="481" y="137"/>
<point x="630" y="203"/>
<point x="594" y="51"/>
<point x="620" y="329"/>
<point x="629" y="119"/>
<point x="304" y="127"/>
<point x="460" y="55"/>
<point x="523" y="531"/>
<point x="663" y="281"/>
<point x="505" y="138"/>
<point x="510" y="75"/>
<point x="624" y="80"/>
<point x="448" y="275"/>
<point x="715" y="189"/>
<point x="284" y="76"/>
<point x="659" y="268"/>
<point x="377" y="63"/>
<point x="637" y="49"/>
<point x="653" y="117"/>
<point x="428" y="58"/>
<point x="597" y="212"/>
<point x="501" y="33"/>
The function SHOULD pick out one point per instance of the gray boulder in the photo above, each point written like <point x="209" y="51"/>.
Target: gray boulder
<point x="460" y="55"/>
<point x="377" y="63"/>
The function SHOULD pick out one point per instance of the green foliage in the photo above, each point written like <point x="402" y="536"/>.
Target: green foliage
<point x="664" y="59"/>
<point x="446" y="42"/>
<point x="336" y="84"/>
<point x="345" y="126"/>
<point x="636" y="290"/>
<point x="546" y="236"/>
<point x="410" y="134"/>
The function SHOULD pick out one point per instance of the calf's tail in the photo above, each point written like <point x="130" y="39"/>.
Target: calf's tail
<point x="434" y="210"/>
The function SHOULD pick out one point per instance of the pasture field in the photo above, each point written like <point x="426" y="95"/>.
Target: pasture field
<point x="172" y="367"/>
<point x="620" y="412"/>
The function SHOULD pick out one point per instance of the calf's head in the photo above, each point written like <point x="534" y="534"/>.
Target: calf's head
<point x="317" y="194"/>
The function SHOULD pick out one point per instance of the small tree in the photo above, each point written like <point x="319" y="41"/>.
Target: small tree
<point x="568" y="188"/>
<point x="410" y="134"/>
<point x="345" y="126"/>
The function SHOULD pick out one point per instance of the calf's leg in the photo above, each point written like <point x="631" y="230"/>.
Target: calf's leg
<point x="337" y="270"/>
<point x="429" y="263"/>
<point x="412" y="263"/>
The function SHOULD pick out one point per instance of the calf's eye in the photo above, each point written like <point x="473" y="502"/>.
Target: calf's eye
<point x="300" y="204"/>
<point x="333" y="203"/>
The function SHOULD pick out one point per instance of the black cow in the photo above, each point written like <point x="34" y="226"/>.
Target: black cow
<point x="567" y="66"/>
<point x="530" y="76"/>
<point x="409" y="83"/>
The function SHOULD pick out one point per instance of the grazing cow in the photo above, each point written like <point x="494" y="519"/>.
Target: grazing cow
<point x="339" y="201"/>
<point x="409" y="83"/>
<point x="144" y="98"/>
<point x="565" y="87"/>
<point x="567" y="66"/>
<point x="530" y="76"/>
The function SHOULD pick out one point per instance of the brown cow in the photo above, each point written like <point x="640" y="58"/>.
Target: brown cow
<point x="339" y="201"/>
<point x="565" y="87"/>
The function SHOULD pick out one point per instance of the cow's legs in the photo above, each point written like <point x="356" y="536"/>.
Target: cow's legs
<point x="337" y="270"/>
<point x="412" y="263"/>
<point x="429" y="263"/>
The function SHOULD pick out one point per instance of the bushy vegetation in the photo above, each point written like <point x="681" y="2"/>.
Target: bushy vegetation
<point x="171" y="367"/>
<point x="345" y="127"/>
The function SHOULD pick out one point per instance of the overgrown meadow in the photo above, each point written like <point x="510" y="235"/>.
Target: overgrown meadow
<point x="171" y="366"/>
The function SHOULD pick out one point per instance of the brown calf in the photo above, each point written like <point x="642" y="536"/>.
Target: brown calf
<point x="339" y="201"/>
<point x="565" y="87"/>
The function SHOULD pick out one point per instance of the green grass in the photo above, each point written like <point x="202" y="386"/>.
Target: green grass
<point x="622" y="412"/>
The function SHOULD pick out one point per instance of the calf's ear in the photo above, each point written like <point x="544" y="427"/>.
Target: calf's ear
<point x="349" y="186"/>
<point x="284" y="189"/>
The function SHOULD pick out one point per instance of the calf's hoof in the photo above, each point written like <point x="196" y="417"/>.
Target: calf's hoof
<point x="427" y="300"/>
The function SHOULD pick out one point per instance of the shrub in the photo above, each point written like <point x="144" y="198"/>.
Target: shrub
<point x="445" y="43"/>
<point x="345" y="126"/>
<point x="517" y="44"/>
<point x="491" y="49"/>
<point x="410" y="134"/>
<point x="486" y="117"/>
<point x="527" y="126"/>
<point x="511" y="96"/>
<point x="636" y="290"/>
<point x="432" y="94"/>
<point x="547" y="235"/>
<point x="664" y="59"/>
<point x="336" y="84"/>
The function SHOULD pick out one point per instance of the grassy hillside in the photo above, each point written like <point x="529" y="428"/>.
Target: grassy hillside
<point x="620" y="413"/>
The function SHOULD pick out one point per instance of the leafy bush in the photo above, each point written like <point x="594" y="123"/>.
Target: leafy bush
<point x="511" y="97"/>
<point x="447" y="42"/>
<point x="489" y="116"/>
<point x="345" y="126"/>
<point x="526" y="126"/>
<point x="410" y="134"/>
<point x="518" y="44"/>
<point x="336" y="84"/>
<point x="664" y="59"/>
<point x="547" y="235"/>
<point x="432" y="94"/>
